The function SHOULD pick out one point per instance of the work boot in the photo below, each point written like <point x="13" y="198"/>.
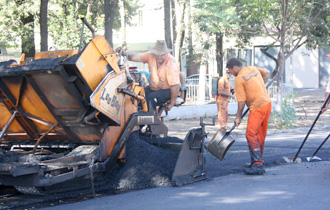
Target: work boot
<point x="247" y="165"/>
<point x="255" y="169"/>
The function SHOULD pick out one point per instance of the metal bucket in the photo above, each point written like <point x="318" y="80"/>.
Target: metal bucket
<point x="219" y="144"/>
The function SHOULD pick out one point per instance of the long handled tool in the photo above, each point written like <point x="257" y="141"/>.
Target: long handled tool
<point x="311" y="158"/>
<point x="317" y="117"/>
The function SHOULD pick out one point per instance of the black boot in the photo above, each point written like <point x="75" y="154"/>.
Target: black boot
<point x="256" y="166"/>
<point x="255" y="169"/>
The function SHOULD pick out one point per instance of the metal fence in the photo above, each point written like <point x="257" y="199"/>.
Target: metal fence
<point x="193" y="91"/>
<point x="287" y="90"/>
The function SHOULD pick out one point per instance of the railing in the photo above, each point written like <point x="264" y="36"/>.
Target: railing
<point x="193" y="92"/>
<point x="287" y="90"/>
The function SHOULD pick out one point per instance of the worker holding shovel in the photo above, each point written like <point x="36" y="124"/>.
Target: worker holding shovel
<point x="250" y="90"/>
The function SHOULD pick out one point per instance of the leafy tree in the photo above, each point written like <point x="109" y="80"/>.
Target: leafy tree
<point x="291" y="24"/>
<point x="17" y="24"/>
<point x="215" y="18"/>
<point x="19" y="17"/>
<point x="65" y="24"/>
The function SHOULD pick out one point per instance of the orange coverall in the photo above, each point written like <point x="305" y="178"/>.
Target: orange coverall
<point x="222" y="102"/>
<point x="250" y="87"/>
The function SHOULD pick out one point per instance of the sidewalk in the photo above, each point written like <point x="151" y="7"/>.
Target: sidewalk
<point x="294" y="186"/>
<point x="307" y="105"/>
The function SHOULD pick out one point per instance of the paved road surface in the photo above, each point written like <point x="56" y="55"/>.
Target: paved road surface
<point x="300" y="186"/>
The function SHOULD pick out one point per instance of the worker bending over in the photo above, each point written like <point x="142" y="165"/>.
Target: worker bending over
<point x="251" y="91"/>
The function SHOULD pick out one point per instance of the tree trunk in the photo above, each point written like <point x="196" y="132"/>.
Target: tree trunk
<point x="43" y="25"/>
<point x="280" y="82"/>
<point x="167" y="23"/>
<point x="181" y="32"/>
<point x="123" y="22"/>
<point x="281" y="61"/>
<point x="110" y="10"/>
<point x="173" y="24"/>
<point x="28" y="46"/>
<point x="190" y="40"/>
<point x="219" y="53"/>
<point x="201" y="83"/>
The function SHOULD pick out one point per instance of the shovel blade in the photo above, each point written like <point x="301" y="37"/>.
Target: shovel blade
<point x="220" y="144"/>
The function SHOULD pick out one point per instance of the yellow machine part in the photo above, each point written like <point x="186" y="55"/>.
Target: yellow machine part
<point x="55" y="54"/>
<point x="94" y="60"/>
<point x="112" y="133"/>
<point x="30" y="102"/>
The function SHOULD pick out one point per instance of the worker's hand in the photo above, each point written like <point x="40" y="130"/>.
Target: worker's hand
<point x="237" y="121"/>
<point x="168" y="107"/>
<point x="232" y="91"/>
<point x="325" y="108"/>
<point x="119" y="50"/>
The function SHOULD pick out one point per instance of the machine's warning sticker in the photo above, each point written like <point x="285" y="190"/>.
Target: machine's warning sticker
<point x="146" y="120"/>
<point x="80" y="64"/>
<point x="105" y="97"/>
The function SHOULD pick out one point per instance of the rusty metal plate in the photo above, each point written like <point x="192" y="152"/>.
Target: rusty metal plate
<point x="106" y="98"/>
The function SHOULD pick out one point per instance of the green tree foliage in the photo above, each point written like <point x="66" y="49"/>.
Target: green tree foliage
<point x="290" y="25"/>
<point x="215" y="18"/>
<point x="64" y="24"/>
<point x="17" y="21"/>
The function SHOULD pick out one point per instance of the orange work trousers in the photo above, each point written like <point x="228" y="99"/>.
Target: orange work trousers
<point x="256" y="130"/>
<point x="222" y="105"/>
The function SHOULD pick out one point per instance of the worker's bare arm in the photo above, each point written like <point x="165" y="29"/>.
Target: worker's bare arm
<point x="266" y="75"/>
<point x="131" y="56"/>
<point x="240" y="108"/>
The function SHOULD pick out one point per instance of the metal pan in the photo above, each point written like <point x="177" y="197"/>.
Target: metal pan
<point x="219" y="144"/>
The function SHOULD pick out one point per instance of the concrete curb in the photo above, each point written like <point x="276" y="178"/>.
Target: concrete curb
<point x="197" y="111"/>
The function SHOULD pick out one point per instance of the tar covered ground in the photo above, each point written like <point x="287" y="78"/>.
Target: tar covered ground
<point x="146" y="165"/>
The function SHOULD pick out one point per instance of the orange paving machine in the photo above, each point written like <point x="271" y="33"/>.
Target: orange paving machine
<point x="67" y="115"/>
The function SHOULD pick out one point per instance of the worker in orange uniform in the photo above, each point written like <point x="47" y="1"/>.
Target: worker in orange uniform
<point x="164" y="80"/>
<point x="251" y="91"/>
<point x="224" y="93"/>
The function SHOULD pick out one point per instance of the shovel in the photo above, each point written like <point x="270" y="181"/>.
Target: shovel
<point x="317" y="117"/>
<point x="221" y="142"/>
<point x="312" y="157"/>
